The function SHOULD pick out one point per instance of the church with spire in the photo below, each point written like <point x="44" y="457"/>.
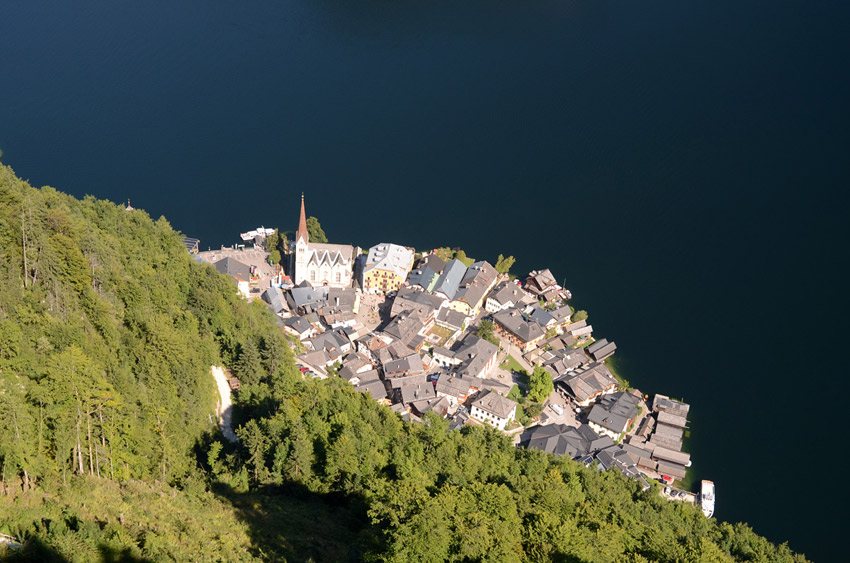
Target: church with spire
<point x="320" y="264"/>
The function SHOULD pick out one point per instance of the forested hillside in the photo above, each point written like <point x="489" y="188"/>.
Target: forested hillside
<point x="109" y="452"/>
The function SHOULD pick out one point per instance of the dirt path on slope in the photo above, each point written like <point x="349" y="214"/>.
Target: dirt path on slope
<point x="225" y="406"/>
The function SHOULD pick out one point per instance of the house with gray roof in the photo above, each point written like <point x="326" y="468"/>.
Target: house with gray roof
<point x="393" y="351"/>
<point x="240" y="273"/>
<point x="432" y="261"/>
<point x="423" y="279"/>
<point x="663" y="403"/>
<point x="407" y="380"/>
<point x="423" y="304"/>
<point x="507" y="295"/>
<point x="450" y="319"/>
<point x="471" y="358"/>
<point x="601" y="349"/>
<point x="476" y="356"/>
<point x="587" y="383"/>
<point x="559" y="342"/>
<point x="375" y="388"/>
<point x="618" y="459"/>
<point x="307" y="299"/>
<point x="345" y="299"/>
<point x="449" y="282"/>
<point x="613" y="414"/>
<point x="454" y="388"/>
<point x="562" y="315"/>
<point x="493" y="409"/>
<point x="405" y="327"/>
<point x="275" y="299"/>
<point x="408" y="365"/>
<point x="671" y="419"/>
<point x="476" y="283"/>
<point x="542" y="317"/>
<point x="334" y="342"/>
<point x="561" y="440"/>
<point x="578" y="329"/>
<point x="337" y="318"/>
<point x="512" y="325"/>
<point x="438" y="405"/>
<point x="538" y="281"/>
<point x="300" y="327"/>
<point x="559" y="362"/>
<point x="641" y="456"/>
<point x="234" y="268"/>
<point x="355" y="377"/>
<point x="414" y="393"/>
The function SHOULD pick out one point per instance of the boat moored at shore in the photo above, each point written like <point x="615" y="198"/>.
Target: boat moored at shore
<point x="707" y="498"/>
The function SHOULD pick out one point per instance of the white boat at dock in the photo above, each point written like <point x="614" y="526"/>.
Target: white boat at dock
<point x="251" y="235"/>
<point x="707" y="498"/>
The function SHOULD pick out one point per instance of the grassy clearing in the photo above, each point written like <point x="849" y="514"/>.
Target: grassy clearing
<point x="442" y="333"/>
<point x="511" y="364"/>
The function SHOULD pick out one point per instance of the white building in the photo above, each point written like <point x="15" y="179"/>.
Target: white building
<point x="386" y="267"/>
<point x="493" y="409"/>
<point x="321" y="264"/>
<point x="506" y="295"/>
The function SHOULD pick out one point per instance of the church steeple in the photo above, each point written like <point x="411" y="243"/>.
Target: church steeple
<point x="302" y="224"/>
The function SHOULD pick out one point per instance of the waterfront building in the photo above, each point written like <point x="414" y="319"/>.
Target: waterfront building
<point x="423" y="278"/>
<point x="476" y="283"/>
<point x="601" y="349"/>
<point x="507" y="295"/>
<point x="587" y="383"/>
<point x="540" y="281"/>
<point x="449" y="281"/>
<point x="613" y="414"/>
<point x="385" y="268"/>
<point x="321" y="264"/>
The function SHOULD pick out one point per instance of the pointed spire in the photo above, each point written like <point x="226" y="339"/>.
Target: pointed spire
<point x="302" y="224"/>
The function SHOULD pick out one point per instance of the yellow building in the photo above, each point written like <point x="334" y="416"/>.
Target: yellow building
<point x="386" y="267"/>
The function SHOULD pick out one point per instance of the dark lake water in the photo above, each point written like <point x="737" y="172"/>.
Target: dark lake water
<point x="682" y="164"/>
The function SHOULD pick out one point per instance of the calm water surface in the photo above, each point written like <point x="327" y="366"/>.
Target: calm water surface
<point x="683" y="165"/>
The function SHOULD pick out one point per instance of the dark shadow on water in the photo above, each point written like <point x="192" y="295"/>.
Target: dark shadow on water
<point x="293" y="523"/>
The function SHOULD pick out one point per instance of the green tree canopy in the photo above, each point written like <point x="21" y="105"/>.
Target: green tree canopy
<point x="503" y="265"/>
<point x="540" y="385"/>
<point x="579" y="316"/>
<point x="314" y="229"/>
<point x="487" y="331"/>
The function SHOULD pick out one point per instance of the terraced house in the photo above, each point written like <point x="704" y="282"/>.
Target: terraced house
<point x="386" y="267"/>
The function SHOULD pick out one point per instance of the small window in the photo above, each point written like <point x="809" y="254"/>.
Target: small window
<point x="313" y="275"/>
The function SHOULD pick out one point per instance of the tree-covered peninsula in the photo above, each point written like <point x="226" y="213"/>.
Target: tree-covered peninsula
<point x="109" y="449"/>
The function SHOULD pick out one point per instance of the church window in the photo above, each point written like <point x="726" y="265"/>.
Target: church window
<point x="312" y="275"/>
<point x="338" y="277"/>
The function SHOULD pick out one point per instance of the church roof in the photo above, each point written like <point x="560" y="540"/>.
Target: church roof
<point x="331" y="254"/>
<point x="302" y="233"/>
